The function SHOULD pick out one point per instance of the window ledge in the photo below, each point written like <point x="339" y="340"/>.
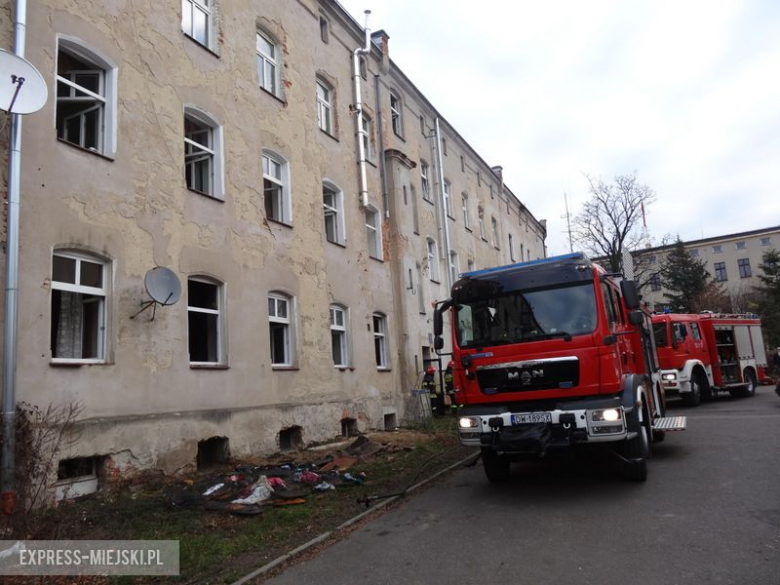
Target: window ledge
<point x="429" y="201"/>
<point x="209" y="367"/>
<point x="329" y="135"/>
<point x="279" y="222"/>
<point x="467" y="228"/>
<point x="206" y="195"/>
<point x="339" y="244"/>
<point x="344" y="368"/>
<point x="380" y="260"/>
<point x="273" y="95"/>
<point x="73" y="363"/>
<point x="484" y="239"/>
<point x="399" y="136"/>
<point x="452" y="217"/>
<point x="285" y="368"/>
<point x="96" y="153"/>
<point x="435" y="281"/>
<point x="372" y="163"/>
<point x="201" y="45"/>
<point x="386" y="369"/>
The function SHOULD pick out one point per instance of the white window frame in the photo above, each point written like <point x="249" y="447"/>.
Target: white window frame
<point x="464" y="198"/>
<point x="381" y="357"/>
<point x="447" y="191"/>
<point x="454" y="266"/>
<point x="396" y="114"/>
<point x="106" y="98"/>
<point x="219" y="311"/>
<point x="341" y="331"/>
<point x="188" y="9"/>
<point x="76" y="288"/>
<point x="471" y="265"/>
<point x="365" y="136"/>
<point x="431" y="249"/>
<point x="511" y="248"/>
<point x="275" y="299"/>
<point x="494" y="230"/>
<point x="280" y="183"/>
<point x="425" y="184"/>
<point x="267" y="64"/>
<point x="211" y="151"/>
<point x="374" y="233"/>
<point x="481" y="218"/>
<point x="324" y="95"/>
<point x="334" y="211"/>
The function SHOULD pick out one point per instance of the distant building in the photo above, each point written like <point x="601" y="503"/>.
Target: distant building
<point x="733" y="260"/>
<point x="219" y="139"/>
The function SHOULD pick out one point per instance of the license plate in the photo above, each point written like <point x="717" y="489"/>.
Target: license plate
<point x="531" y="417"/>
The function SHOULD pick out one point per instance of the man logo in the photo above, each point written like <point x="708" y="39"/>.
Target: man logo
<point x="513" y="375"/>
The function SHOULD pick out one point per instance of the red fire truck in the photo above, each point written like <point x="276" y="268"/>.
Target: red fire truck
<point x="550" y="355"/>
<point x="704" y="354"/>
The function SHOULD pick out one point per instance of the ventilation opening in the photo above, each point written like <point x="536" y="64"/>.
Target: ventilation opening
<point x="349" y="427"/>
<point x="391" y="422"/>
<point x="290" y="438"/>
<point x="213" y="451"/>
<point x="77" y="477"/>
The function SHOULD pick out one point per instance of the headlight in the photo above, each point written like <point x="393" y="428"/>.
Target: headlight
<point x="468" y="422"/>
<point x="671" y="376"/>
<point x="606" y="415"/>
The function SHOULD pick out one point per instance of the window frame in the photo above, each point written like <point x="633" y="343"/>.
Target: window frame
<point x="494" y="232"/>
<point x="268" y="60"/>
<point x="447" y="192"/>
<point x="342" y="331"/>
<point x="481" y="220"/>
<point x="214" y="150"/>
<point x="454" y="265"/>
<point x="381" y="341"/>
<point x="365" y="132"/>
<point x="432" y="254"/>
<point x="743" y="265"/>
<point x="289" y="328"/>
<point x="108" y="74"/>
<point x="464" y="200"/>
<point x="206" y="7"/>
<point x="75" y="288"/>
<point x="425" y="183"/>
<point x="336" y="211"/>
<point x="396" y="114"/>
<point x="720" y="271"/>
<point x="219" y="312"/>
<point x="374" y="233"/>
<point x="325" y="109"/>
<point x="281" y="183"/>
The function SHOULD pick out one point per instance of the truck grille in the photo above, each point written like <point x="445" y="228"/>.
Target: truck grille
<point x="526" y="376"/>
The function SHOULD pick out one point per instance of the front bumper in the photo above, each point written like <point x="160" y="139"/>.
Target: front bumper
<point x="675" y="381"/>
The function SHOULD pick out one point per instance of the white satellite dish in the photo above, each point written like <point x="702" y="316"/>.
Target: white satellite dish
<point x="22" y="88"/>
<point x="162" y="286"/>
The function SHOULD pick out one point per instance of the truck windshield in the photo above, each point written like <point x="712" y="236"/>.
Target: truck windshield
<point x="521" y="316"/>
<point x="660" y="334"/>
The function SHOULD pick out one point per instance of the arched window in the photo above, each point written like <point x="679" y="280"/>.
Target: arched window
<point x="78" y="307"/>
<point x="268" y="62"/>
<point x="86" y="98"/>
<point x="202" y="153"/>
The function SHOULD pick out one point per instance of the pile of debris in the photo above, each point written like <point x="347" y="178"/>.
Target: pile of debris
<point x="247" y="490"/>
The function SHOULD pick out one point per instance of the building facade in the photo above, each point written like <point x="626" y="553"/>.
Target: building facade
<point x="219" y="139"/>
<point x="733" y="261"/>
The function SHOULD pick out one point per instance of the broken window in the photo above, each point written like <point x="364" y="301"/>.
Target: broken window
<point x="280" y="328"/>
<point x="78" y="307"/>
<point x="203" y="313"/>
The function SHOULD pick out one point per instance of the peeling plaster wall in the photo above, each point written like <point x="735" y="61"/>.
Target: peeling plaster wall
<point x="133" y="210"/>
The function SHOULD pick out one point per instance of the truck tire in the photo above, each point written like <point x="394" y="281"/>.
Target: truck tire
<point x="750" y="383"/>
<point x="496" y="466"/>
<point x="693" y="398"/>
<point x="638" y="451"/>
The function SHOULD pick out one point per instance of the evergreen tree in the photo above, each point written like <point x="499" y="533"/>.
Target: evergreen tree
<point x="768" y="306"/>
<point x="687" y="280"/>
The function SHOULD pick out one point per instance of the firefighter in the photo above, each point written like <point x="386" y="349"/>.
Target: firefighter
<point x="429" y="383"/>
<point x="776" y="362"/>
<point x="449" y="385"/>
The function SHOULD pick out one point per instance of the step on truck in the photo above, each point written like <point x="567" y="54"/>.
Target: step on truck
<point x="704" y="354"/>
<point x="552" y="355"/>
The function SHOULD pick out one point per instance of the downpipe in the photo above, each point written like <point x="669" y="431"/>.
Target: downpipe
<point x="358" y="109"/>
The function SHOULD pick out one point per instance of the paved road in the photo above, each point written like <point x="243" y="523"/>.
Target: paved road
<point x="709" y="513"/>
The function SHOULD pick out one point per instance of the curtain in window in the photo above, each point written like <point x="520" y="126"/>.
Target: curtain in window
<point x="69" y="326"/>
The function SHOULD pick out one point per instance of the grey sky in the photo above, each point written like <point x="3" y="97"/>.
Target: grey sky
<point x="685" y="93"/>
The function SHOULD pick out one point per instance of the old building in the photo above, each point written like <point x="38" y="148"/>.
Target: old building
<point x="220" y="139"/>
<point x="733" y="261"/>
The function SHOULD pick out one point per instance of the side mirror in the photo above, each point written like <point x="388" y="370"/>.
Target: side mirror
<point x="438" y="323"/>
<point x="438" y="343"/>
<point x="630" y="294"/>
<point x="636" y="317"/>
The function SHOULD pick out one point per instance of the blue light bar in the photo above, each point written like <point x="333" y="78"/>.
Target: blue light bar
<point x="575" y="256"/>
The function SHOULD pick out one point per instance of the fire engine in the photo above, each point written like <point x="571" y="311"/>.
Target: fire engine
<point x="551" y="355"/>
<point x="704" y="354"/>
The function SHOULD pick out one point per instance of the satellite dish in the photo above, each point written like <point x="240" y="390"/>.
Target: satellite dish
<point x="164" y="288"/>
<point x="162" y="285"/>
<point x="22" y="88"/>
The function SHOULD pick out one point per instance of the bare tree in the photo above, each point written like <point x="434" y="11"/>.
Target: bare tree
<point x="610" y="221"/>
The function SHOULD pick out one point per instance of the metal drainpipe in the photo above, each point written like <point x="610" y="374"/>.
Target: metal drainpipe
<point x="364" y="50"/>
<point x="444" y="221"/>
<point x="7" y="468"/>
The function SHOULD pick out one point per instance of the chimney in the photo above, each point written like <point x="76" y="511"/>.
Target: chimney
<point x="380" y="39"/>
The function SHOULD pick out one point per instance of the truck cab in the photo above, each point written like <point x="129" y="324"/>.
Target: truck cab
<point x="551" y="354"/>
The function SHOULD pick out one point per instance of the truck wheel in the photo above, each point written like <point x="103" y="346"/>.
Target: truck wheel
<point x="496" y="466"/>
<point x="704" y="386"/>
<point x="638" y="450"/>
<point x="693" y="398"/>
<point x="751" y="382"/>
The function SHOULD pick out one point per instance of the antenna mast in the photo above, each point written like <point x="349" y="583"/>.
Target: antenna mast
<point x="568" y="221"/>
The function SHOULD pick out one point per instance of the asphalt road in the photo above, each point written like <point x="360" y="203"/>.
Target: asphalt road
<point x="708" y="513"/>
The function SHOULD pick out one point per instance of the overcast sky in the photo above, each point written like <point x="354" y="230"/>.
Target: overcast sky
<point x="685" y="93"/>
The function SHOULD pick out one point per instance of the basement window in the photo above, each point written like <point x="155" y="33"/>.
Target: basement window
<point x="290" y="438"/>
<point x="213" y="451"/>
<point x="349" y="427"/>
<point x="391" y="421"/>
<point x="76" y="477"/>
